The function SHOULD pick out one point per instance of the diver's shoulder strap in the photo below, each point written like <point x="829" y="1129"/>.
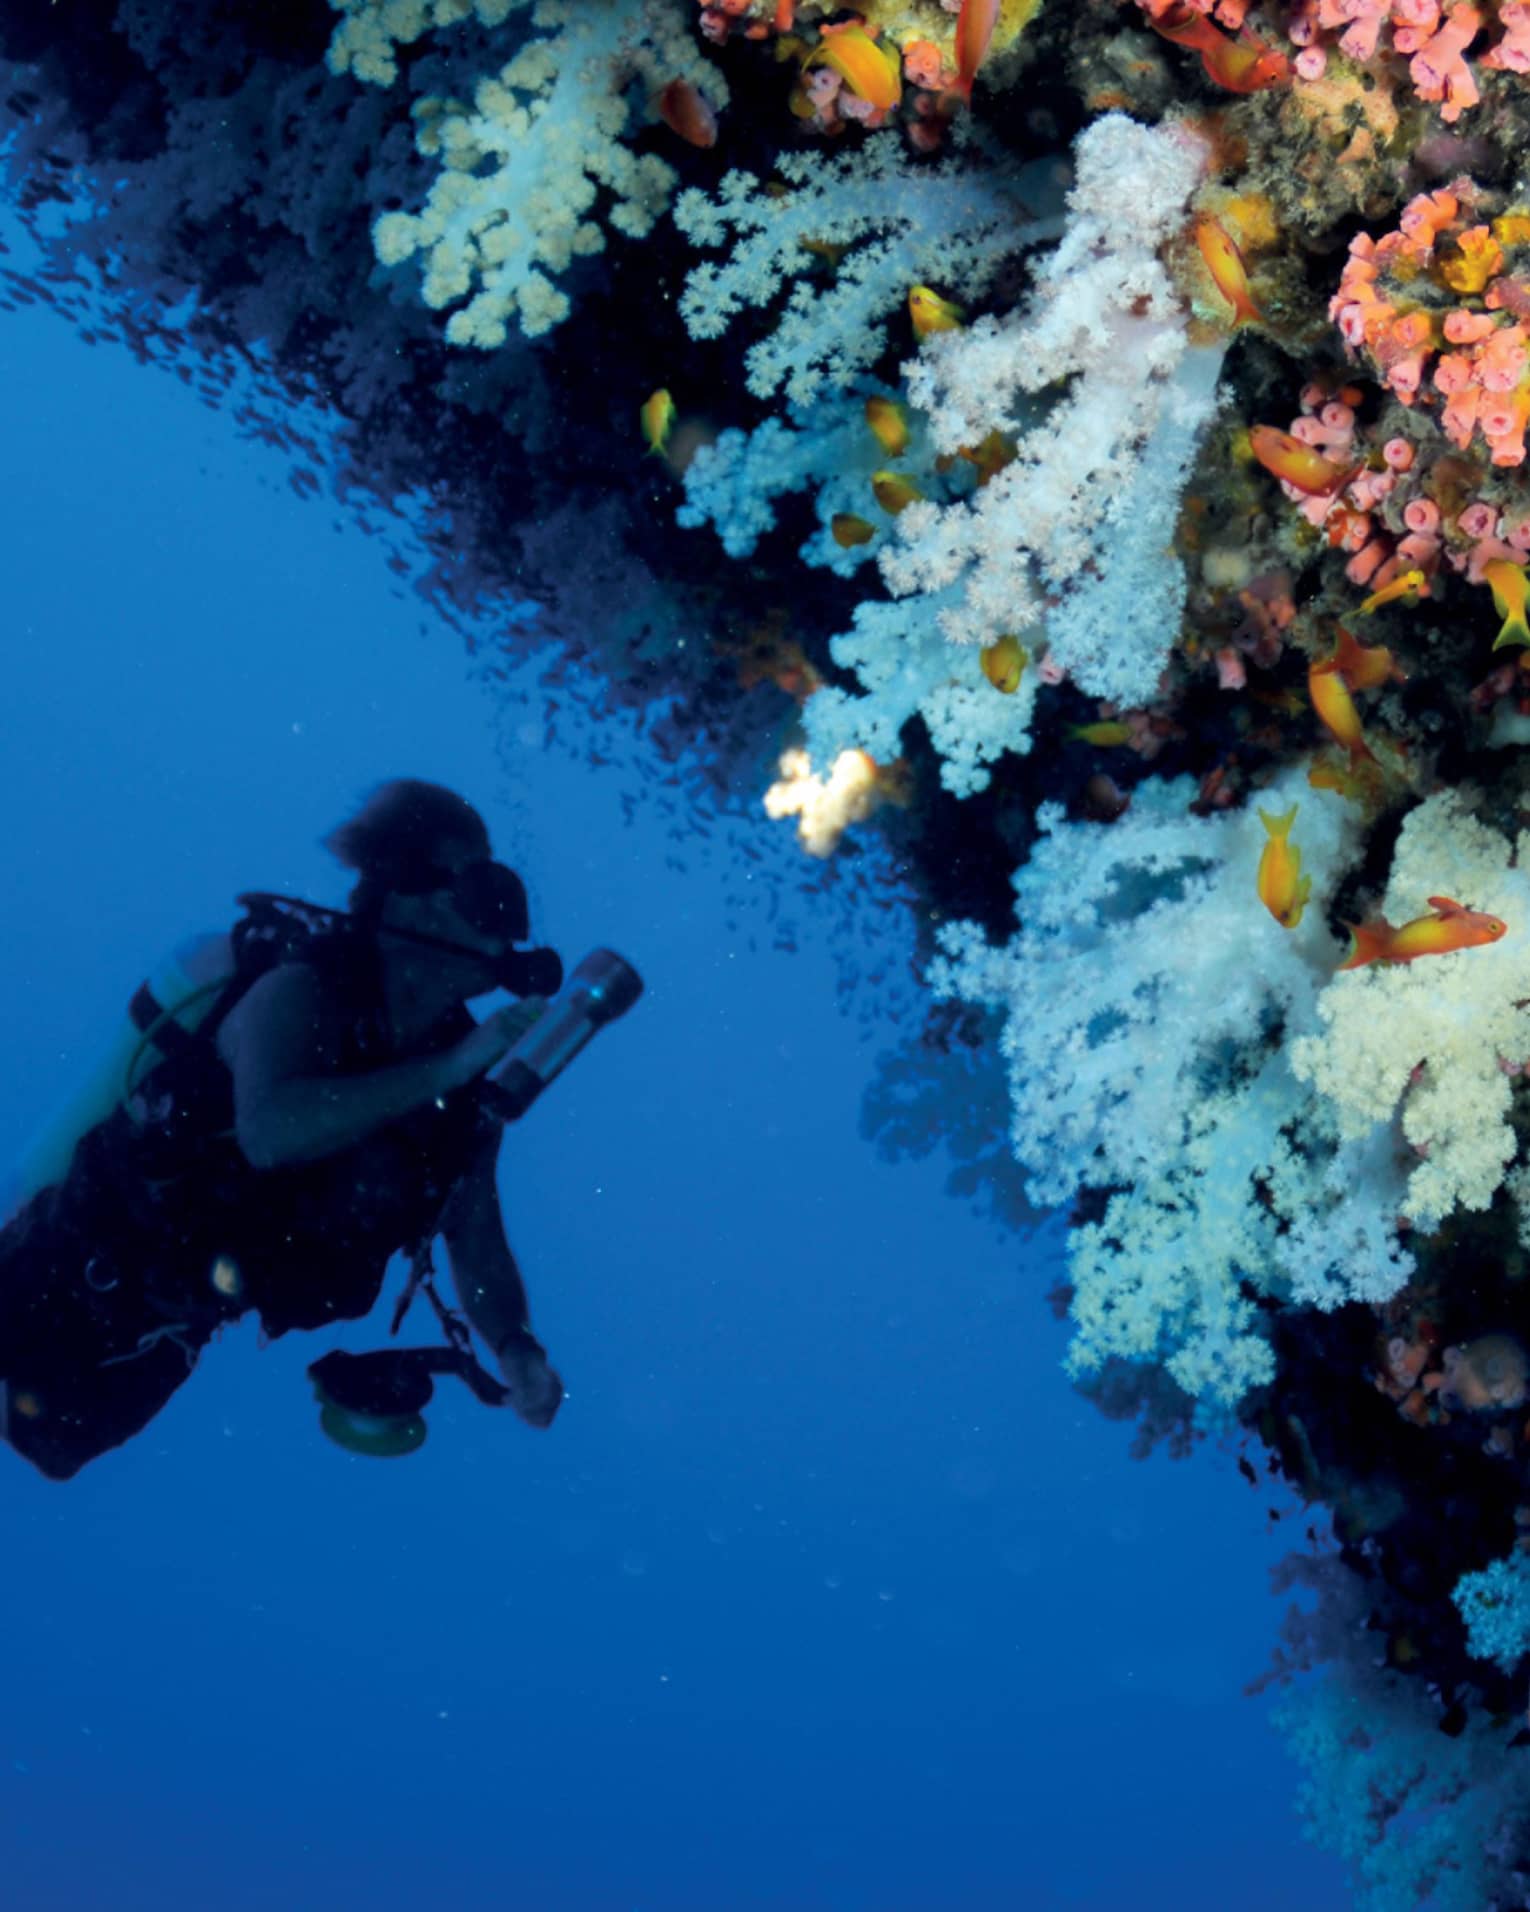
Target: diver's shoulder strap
<point x="273" y="930"/>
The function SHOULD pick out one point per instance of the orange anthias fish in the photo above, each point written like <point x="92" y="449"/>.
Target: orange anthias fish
<point x="974" y="34"/>
<point x="1364" y="666"/>
<point x="686" y="113"/>
<point x="1330" y="683"/>
<point x="1239" y="66"/>
<point x="1245" y="66"/>
<point x="863" y="65"/>
<point x="1283" y="889"/>
<point x="1507" y="583"/>
<point x="1300" y="465"/>
<point x="1185" y="26"/>
<point x="1451" y="927"/>
<point x="1228" y="272"/>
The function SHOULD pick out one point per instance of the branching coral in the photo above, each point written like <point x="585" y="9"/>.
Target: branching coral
<point x="1085" y="512"/>
<point x="1147" y="996"/>
<point x="524" y="167"/>
<point x="1421" y="1816"/>
<point x="1067" y="540"/>
<point x="1494" y="1603"/>
<point x="1074" y="555"/>
<point x="369" y="33"/>
<point x="735" y="482"/>
<point x="1430" y="1041"/>
<point x="906" y="668"/>
<point x="895" y="222"/>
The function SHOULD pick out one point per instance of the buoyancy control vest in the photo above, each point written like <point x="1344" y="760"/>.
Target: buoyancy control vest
<point x="153" y="1128"/>
<point x="172" y="1018"/>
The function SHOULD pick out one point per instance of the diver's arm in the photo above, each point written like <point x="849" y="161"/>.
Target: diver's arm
<point x="288" y="1105"/>
<point x="488" y="1281"/>
<point x="485" y="1273"/>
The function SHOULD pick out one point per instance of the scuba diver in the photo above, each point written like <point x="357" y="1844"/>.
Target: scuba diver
<point x="313" y="1099"/>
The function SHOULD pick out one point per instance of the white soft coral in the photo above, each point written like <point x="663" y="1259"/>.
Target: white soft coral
<point x="1147" y="998"/>
<point x="1095" y="381"/>
<point x="894" y="222"/>
<point x="1428" y="1041"/>
<point x="539" y="165"/>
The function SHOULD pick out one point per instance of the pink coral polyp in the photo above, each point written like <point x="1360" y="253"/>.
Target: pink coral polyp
<point x="1384" y="312"/>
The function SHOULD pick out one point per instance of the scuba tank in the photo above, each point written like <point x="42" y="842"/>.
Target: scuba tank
<point x="167" y="1007"/>
<point x="203" y="974"/>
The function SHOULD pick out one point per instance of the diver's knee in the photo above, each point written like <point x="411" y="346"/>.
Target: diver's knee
<point x="51" y="1463"/>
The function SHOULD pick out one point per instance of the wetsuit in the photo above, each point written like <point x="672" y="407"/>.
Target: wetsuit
<point x="113" y="1281"/>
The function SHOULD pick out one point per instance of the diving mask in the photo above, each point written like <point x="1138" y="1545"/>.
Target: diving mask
<point x="492" y="898"/>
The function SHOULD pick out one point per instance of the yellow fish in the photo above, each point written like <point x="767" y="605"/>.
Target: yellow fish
<point x="1225" y="264"/>
<point x="1283" y="889"/>
<point x="1004" y="664"/>
<point x="931" y="313"/>
<point x="866" y="68"/>
<point x="1406" y="588"/>
<point x="889" y="423"/>
<point x="1106" y="735"/>
<point x="894" y="492"/>
<point x="991" y="454"/>
<point x="846" y="529"/>
<point x="1352" y="667"/>
<point x="658" y="416"/>
<point x="1507" y="583"/>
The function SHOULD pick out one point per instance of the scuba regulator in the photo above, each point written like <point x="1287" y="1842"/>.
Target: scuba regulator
<point x="373" y="1403"/>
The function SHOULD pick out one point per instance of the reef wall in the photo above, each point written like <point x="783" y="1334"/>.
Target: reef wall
<point x="1068" y="462"/>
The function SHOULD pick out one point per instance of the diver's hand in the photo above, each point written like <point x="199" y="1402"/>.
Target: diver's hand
<point x="490" y="1042"/>
<point x="536" y="1389"/>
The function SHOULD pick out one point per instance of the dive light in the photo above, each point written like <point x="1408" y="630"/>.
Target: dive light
<point x="602" y="987"/>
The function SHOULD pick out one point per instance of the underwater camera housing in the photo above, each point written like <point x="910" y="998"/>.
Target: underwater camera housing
<point x="373" y="1403"/>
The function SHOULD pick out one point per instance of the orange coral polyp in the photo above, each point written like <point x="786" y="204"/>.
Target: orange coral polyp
<point x="1428" y="215"/>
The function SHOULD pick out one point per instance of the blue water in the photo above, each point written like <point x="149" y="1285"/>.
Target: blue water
<point x="824" y="1592"/>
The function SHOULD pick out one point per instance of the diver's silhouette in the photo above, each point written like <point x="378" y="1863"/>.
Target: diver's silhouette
<point x="305" y="1102"/>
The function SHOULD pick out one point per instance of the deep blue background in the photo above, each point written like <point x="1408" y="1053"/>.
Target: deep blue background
<point x="824" y="1592"/>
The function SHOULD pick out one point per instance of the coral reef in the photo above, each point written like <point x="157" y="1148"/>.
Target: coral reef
<point x="1089" y="507"/>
